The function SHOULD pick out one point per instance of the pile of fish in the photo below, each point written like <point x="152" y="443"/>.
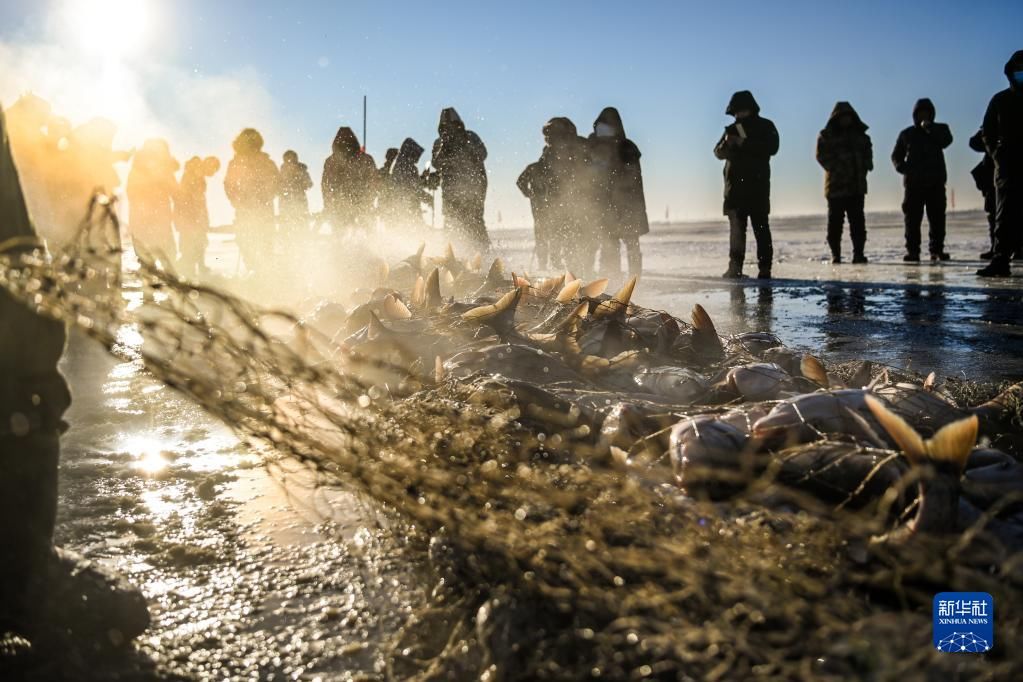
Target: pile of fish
<point x="595" y="377"/>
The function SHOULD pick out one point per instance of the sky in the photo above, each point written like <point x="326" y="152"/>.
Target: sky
<point x="196" y="71"/>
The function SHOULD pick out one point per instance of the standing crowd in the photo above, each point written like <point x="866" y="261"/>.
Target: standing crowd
<point x="586" y="193"/>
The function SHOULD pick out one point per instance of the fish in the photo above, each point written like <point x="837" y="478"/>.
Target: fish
<point x="711" y="457"/>
<point x="680" y="385"/>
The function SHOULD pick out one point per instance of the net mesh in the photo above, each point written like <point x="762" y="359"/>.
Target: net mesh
<point x="557" y="563"/>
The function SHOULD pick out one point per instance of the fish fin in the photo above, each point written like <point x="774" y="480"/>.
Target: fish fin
<point x="954" y="442"/>
<point x="619" y="456"/>
<point x="438" y="369"/>
<point x="476" y="262"/>
<point x="495" y="275"/>
<point x="547" y="287"/>
<point x="569" y="277"/>
<point x="418" y="297"/>
<point x="619" y="302"/>
<point x="500" y="314"/>
<point x="861" y="377"/>
<point x="1001" y="405"/>
<point x="904" y="435"/>
<point x="375" y="328"/>
<point x="433" y="297"/>
<point x="813" y="369"/>
<point x="569" y="291"/>
<point x="930" y="381"/>
<point x="395" y="309"/>
<point x="447" y="277"/>
<point x="449" y="253"/>
<point x="594" y="288"/>
<point x="627" y="359"/>
<point x="592" y="363"/>
<point x="416" y="260"/>
<point x="520" y="281"/>
<point x="705" y="336"/>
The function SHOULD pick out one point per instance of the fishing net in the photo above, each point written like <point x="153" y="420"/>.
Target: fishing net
<point x="556" y="563"/>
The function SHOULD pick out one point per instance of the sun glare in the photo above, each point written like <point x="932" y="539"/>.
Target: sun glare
<point x="108" y="28"/>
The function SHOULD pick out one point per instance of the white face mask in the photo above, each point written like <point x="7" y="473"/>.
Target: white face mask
<point x="604" y="130"/>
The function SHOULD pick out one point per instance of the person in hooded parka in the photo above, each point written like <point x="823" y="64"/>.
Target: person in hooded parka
<point x="846" y="154"/>
<point x="407" y="188"/>
<point x="458" y="170"/>
<point x="151" y="190"/>
<point x="349" y="183"/>
<point x="1003" y="138"/>
<point x="252" y="183"/>
<point x="192" y="216"/>
<point x="746" y="147"/>
<point x="619" y="192"/>
<point x="920" y="157"/>
<point x="293" y="205"/>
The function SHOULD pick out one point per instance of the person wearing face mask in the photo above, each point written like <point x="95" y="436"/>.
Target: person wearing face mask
<point x="746" y="147"/>
<point x="845" y="152"/>
<point x="920" y="157"/>
<point x="1002" y="132"/>
<point x="621" y="200"/>
<point x="459" y="171"/>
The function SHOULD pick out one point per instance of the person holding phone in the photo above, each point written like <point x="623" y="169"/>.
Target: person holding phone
<point x="746" y="147"/>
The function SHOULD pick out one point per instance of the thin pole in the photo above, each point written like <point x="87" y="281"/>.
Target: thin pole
<point x="364" y="123"/>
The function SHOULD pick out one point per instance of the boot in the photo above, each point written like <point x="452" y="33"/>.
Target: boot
<point x="47" y="594"/>
<point x="996" y="268"/>
<point x="734" y="271"/>
<point x="939" y="256"/>
<point x="859" y="259"/>
<point x="911" y="258"/>
<point x="987" y="255"/>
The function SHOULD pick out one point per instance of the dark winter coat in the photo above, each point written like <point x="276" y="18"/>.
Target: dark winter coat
<point x="984" y="172"/>
<point x="30" y="345"/>
<point x="295" y="182"/>
<point x="1003" y="129"/>
<point x="151" y="190"/>
<point x="349" y="180"/>
<point x="618" y="178"/>
<point x="458" y="160"/>
<point x="407" y="189"/>
<point x="191" y="212"/>
<point x="845" y="154"/>
<point x="747" y="159"/>
<point x="252" y="183"/>
<point x="919" y="151"/>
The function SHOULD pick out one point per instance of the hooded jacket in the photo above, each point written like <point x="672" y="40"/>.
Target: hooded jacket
<point x="252" y="181"/>
<point x="151" y="189"/>
<point x="407" y="187"/>
<point x="746" y="147"/>
<point x="458" y="159"/>
<point x="30" y="345"/>
<point x="845" y="154"/>
<point x="349" y="179"/>
<point x="617" y="177"/>
<point x="295" y="182"/>
<point x="1002" y="130"/>
<point x="919" y="150"/>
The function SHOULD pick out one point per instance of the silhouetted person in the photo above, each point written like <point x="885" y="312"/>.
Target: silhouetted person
<point x="389" y="156"/>
<point x="151" y="190"/>
<point x="458" y="169"/>
<point x="406" y="188"/>
<point x="984" y="178"/>
<point x="559" y="199"/>
<point x="191" y="214"/>
<point x="293" y="205"/>
<point x="746" y="147"/>
<point x="919" y="156"/>
<point x="47" y="595"/>
<point x="619" y="178"/>
<point x="1003" y="137"/>
<point x="845" y="152"/>
<point x="349" y="183"/>
<point x="251" y="184"/>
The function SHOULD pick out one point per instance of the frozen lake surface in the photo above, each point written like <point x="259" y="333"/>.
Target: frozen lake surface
<point x="248" y="577"/>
